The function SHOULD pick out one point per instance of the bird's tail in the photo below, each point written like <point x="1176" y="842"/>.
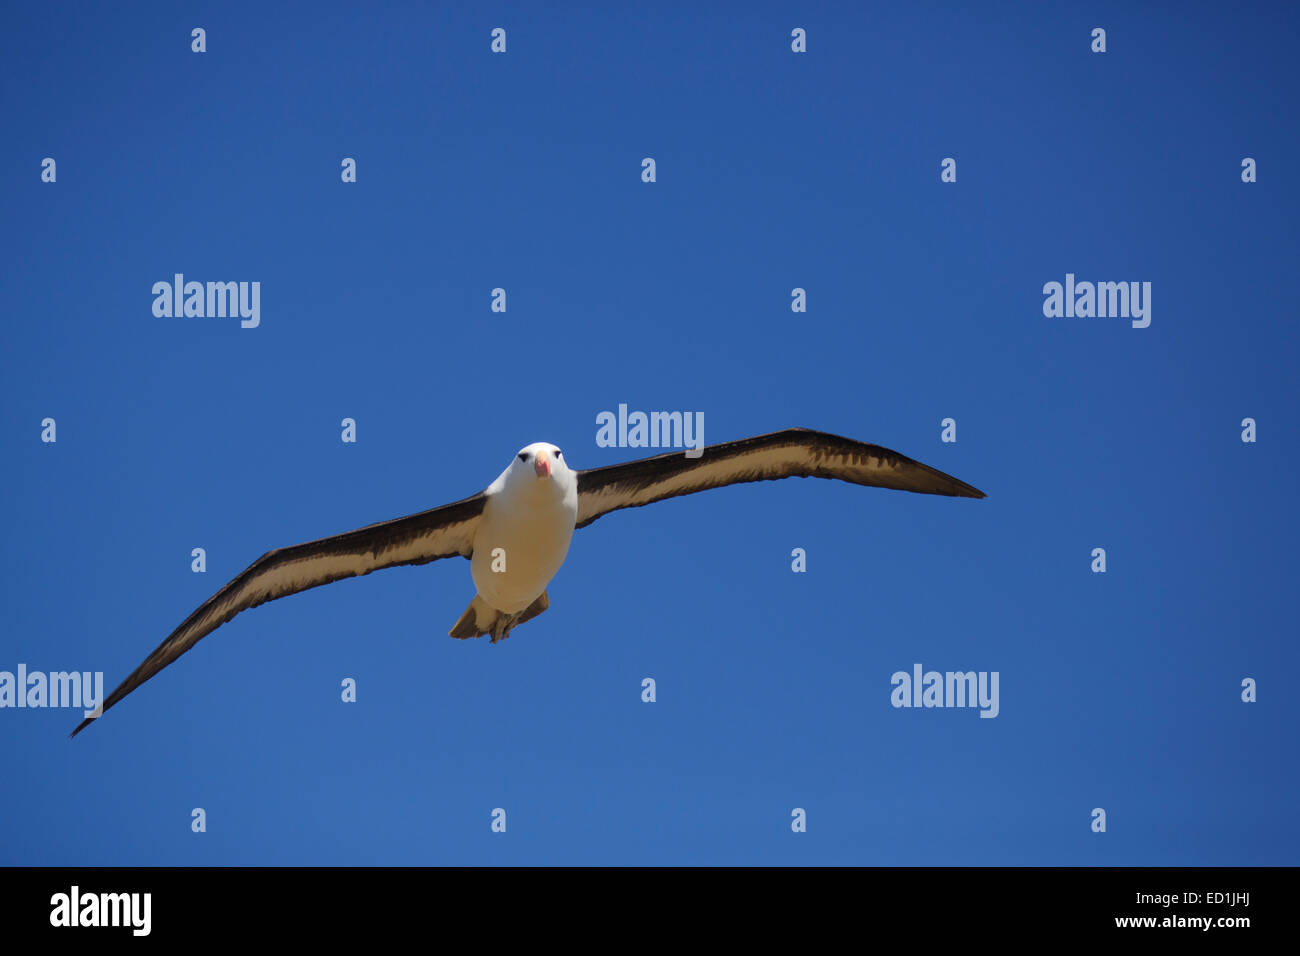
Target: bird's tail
<point x="481" y="618"/>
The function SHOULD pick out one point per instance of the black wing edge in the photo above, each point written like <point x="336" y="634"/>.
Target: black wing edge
<point x="372" y="539"/>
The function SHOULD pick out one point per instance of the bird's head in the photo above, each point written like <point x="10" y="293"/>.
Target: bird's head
<point x="541" y="459"/>
<point x="538" y="466"/>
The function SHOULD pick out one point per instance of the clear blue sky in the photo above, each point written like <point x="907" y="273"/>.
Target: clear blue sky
<point x="775" y="170"/>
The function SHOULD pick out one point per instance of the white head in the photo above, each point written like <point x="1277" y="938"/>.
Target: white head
<point x="537" y="467"/>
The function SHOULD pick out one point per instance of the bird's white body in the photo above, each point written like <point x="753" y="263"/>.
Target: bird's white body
<point x="527" y="525"/>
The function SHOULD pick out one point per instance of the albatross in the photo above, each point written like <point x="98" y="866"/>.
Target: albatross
<point x="516" y="532"/>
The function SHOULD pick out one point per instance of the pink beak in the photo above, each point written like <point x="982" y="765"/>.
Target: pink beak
<point x="542" y="465"/>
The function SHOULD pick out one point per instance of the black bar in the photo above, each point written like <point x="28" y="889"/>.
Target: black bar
<point x="924" y="904"/>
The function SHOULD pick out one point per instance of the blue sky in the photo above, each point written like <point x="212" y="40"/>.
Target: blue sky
<point x="775" y="170"/>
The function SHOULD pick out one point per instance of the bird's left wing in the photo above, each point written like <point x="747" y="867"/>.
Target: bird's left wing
<point x="795" y="452"/>
<point x="415" y="539"/>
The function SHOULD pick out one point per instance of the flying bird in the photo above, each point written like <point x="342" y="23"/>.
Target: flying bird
<point x="516" y="532"/>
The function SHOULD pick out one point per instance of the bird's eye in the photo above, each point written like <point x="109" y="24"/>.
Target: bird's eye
<point x="558" y="453"/>
<point x="523" y="456"/>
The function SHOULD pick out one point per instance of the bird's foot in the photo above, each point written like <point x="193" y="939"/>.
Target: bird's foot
<point x="502" y="629"/>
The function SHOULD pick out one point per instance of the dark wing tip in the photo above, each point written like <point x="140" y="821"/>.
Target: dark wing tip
<point x="953" y="487"/>
<point x="946" y="483"/>
<point x="967" y="491"/>
<point x="81" y="726"/>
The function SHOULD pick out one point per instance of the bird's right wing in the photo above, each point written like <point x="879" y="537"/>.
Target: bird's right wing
<point x="795" y="452"/>
<point x="415" y="539"/>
